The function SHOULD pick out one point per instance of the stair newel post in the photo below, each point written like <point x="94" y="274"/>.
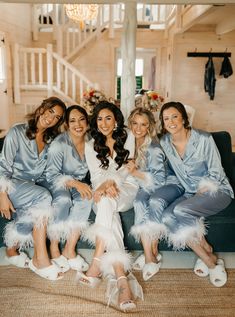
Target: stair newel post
<point x="98" y="20"/>
<point x="16" y="73"/>
<point x="81" y="91"/>
<point x="63" y="15"/>
<point x="35" y="22"/>
<point x="49" y="70"/>
<point x="103" y="14"/>
<point x="111" y="21"/>
<point x="55" y="21"/>
<point x="59" y="40"/>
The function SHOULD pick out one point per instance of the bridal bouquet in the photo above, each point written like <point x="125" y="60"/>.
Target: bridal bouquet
<point x="91" y="98"/>
<point x="153" y="101"/>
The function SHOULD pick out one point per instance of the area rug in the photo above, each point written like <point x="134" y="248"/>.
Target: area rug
<point x="172" y="292"/>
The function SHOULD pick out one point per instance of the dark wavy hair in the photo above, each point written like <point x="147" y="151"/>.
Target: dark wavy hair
<point x="78" y="108"/>
<point x="52" y="132"/>
<point x="119" y="135"/>
<point x="180" y="107"/>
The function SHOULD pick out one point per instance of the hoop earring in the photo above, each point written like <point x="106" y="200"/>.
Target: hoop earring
<point x="115" y="127"/>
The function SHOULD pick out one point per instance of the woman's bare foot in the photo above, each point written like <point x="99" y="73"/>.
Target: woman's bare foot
<point x="40" y="262"/>
<point x="69" y="254"/>
<point x="125" y="301"/>
<point x="12" y="252"/>
<point x="94" y="268"/>
<point x="150" y="259"/>
<point x="206" y="245"/>
<point x="54" y="249"/>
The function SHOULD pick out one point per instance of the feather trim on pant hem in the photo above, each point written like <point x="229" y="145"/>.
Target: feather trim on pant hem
<point x="62" y="231"/>
<point x="187" y="235"/>
<point x="13" y="238"/>
<point x="97" y="231"/>
<point x="149" y="231"/>
<point x="114" y="257"/>
<point x="40" y="215"/>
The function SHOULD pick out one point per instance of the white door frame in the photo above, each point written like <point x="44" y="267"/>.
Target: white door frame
<point x="4" y="87"/>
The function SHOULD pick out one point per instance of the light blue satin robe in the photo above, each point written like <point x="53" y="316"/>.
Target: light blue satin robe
<point x="21" y="174"/>
<point x="154" y="195"/>
<point x="71" y="212"/>
<point x="201" y="160"/>
<point x="200" y="167"/>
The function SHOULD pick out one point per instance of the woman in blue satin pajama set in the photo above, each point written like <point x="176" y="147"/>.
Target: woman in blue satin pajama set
<point x="153" y="195"/>
<point x="67" y="176"/>
<point x="195" y="160"/>
<point x="22" y="166"/>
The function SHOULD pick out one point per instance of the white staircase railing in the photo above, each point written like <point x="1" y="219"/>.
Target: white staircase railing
<point x="71" y="38"/>
<point x="43" y="69"/>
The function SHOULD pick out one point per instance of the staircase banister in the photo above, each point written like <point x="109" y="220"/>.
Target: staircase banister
<point x="32" y="49"/>
<point x="66" y="97"/>
<point x="72" y="68"/>
<point x="84" y="43"/>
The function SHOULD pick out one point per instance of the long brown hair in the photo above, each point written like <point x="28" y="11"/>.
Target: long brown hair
<point x="52" y="132"/>
<point x="180" y="107"/>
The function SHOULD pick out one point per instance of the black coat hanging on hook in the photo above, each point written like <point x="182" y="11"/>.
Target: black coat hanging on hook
<point x="226" y="68"/>
<point x="209" y="78"/>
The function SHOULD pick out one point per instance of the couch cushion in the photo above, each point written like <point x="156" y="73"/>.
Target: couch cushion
<point x="1" y="143"/>
<point x="224" y="145"/>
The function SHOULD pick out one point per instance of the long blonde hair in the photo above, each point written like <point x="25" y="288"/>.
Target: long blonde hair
<point x="140" y="153"/>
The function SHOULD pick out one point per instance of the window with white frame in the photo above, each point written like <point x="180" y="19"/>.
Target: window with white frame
<point x="139" y="70"/>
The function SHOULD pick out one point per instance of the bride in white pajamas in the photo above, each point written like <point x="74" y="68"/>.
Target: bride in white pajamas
<point x="114" y="192"/>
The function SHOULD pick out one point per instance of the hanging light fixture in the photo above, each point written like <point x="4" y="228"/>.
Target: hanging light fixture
<point x="81" y="12"/>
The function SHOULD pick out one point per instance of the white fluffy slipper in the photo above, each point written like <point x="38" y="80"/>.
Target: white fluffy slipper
<point x="200" y="268"/>
<point x="78" y="263"/>
<point x="50" y="272"/>
<point x="139" y="263"/>
<point x="152" y="268"/>
<point x="62" y="263"/>
<point x="89" y="281"/>
<point x="218" y="275"/>
<point x="21" y="260"/>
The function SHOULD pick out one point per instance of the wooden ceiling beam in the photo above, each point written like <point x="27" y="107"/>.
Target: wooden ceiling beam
<point x="123" y="1"/>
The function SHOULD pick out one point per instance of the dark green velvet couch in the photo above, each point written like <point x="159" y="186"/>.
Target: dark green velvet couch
<point x="221" y="227"/>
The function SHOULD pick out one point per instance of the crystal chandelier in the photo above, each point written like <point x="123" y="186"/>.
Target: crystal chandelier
<point x="81" y="12"/>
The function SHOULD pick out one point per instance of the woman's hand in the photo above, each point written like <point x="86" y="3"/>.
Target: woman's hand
<point x="131" y="167"/>
<point x="6" y="206"/>
<point x="84" y="190"/>
<point x="112" y="190"/>
<point x="108" y="188"/>
<point x="134" y="171"/>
